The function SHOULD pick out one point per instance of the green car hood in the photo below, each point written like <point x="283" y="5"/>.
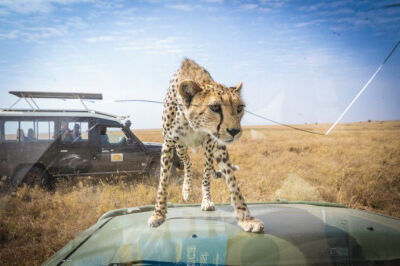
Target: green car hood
<point x="300" y="234"/>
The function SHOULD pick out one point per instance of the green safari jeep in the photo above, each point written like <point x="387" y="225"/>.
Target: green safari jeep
<point x="296" y="233"/>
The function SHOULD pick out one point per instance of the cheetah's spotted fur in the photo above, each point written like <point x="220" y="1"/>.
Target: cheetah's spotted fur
<point x="199" y="111"/>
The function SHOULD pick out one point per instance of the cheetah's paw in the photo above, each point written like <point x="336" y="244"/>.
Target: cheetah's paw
<point x="207" y="205"/>
<point x="252" y="225"/>
<point x="156" y="220"/>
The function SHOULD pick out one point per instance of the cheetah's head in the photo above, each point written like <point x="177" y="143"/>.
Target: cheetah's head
<point x="213" y="108"/>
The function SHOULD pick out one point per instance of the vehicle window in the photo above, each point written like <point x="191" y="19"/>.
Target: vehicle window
<point x="79" y="130"/>
<point x="10" y="130"/>
<point x="27" y="131"/>
<point x="111" y="135"/>
<point x="45" y="130"/>
<point x="65" y="132"/>
<point x="74" y="131"/>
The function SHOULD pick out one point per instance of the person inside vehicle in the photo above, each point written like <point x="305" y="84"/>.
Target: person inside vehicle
<point x="66" y="133"/>
<point x="77" y="133"/>
<point x="21" y="135"/>
<point x="127" y="127"/>
<point x="104" y="137"/>
<point x="128" y="124"/>
<point x="31" y="135"/>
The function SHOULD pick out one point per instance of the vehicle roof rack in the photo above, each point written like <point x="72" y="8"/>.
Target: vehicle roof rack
<point x="53" y="95"/>
<point x="63" y="111"/>
<point x="57" y="95"/>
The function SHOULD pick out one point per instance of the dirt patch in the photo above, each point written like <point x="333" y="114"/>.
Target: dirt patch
<point x="296" y="188"/>
<point x="256" y="134"/>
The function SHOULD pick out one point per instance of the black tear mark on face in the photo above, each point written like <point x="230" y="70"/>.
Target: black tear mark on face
<point x="188" y="100"/>
<point x="221" y="117"/>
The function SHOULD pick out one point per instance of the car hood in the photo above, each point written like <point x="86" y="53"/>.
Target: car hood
<point x="294" y="234"/>
<point x="152" y="145"/>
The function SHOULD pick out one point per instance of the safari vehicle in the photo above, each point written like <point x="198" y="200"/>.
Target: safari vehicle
<point x="37" y="145"/>
<point x="296" y="233"/>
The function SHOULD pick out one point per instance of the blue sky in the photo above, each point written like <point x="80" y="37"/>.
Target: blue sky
<point x="300" y="61"/>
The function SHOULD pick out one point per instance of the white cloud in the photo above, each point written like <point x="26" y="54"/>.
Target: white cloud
<point x="182" y="7"/>
<point x="311" y="22"/>
<point x="249" y="6"/>
<point x="273" y="3"/>
<point x="214" y="1"/>
<point x="264" y="9"/>
<point x="100" y="39"/>
<point x="27" y="32"/>
<point x="9" y="35"/>
<point x="154" y="46"/>
<point x="35" y="34"/>
<point x="31" y="6"/>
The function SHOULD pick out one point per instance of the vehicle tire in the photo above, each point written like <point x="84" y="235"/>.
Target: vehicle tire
<point x="40" y="177"/>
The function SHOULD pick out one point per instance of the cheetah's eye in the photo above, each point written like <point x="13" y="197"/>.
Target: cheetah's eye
<point x="216" y="108"/>
<point x="240" y="108"/>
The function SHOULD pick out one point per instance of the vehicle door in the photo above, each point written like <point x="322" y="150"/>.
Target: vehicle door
<point x="26" y="141"/>
<point x="116" y="152"/>
<point x="4" y="165"/>
<point x="73" y="145"/>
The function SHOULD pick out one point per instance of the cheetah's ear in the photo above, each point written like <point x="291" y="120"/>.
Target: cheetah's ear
<point x="188" y="89"/>
<point x="238" y="87"/>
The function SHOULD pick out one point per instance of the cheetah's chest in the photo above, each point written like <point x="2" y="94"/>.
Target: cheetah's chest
<point x="193" y="138"/>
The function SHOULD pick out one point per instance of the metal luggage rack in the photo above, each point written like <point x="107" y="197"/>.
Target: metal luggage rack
<point x="29" y="97"/>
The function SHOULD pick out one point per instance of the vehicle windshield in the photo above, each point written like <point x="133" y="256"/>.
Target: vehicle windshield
<point x="248" y="101"/>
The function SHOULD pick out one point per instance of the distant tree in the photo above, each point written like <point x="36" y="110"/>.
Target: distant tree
<point x="369" y="120"/>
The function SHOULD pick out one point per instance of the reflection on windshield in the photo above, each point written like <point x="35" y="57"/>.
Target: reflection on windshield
<point x="313" y="84"/>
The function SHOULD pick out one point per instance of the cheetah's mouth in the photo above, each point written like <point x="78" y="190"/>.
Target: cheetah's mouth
<point x="218" y="138"/>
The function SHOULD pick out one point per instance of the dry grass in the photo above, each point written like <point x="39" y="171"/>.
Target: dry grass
<point x="358" y="165"/>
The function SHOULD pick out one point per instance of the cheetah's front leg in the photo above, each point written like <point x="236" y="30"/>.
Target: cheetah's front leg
<point x="160" y="210"/>
<point x="187" y="181"/>
<point x="245" y="220"/>
<point x="208" y="147"/>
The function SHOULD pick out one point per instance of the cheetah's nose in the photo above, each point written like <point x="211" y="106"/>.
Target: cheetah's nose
<point x="233" y="131"/>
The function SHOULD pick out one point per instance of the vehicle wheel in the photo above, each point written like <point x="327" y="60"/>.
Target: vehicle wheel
<point x="39" y="176"/>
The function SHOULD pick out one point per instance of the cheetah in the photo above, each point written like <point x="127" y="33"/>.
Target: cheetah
<point x="199" y="111"/>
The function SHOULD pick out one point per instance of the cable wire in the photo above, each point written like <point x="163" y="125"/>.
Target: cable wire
<point x="363" y="89"/>
<point x="249" y="112"/>
<point x="285" y="125"/>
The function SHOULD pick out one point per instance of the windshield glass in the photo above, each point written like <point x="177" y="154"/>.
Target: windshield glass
<point x="248" y="101"/>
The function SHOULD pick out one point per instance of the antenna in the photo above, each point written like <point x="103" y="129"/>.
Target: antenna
<point x="363" y="89"/>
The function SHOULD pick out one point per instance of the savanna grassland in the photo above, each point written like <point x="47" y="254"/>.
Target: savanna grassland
<point x="357" y="165"/>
